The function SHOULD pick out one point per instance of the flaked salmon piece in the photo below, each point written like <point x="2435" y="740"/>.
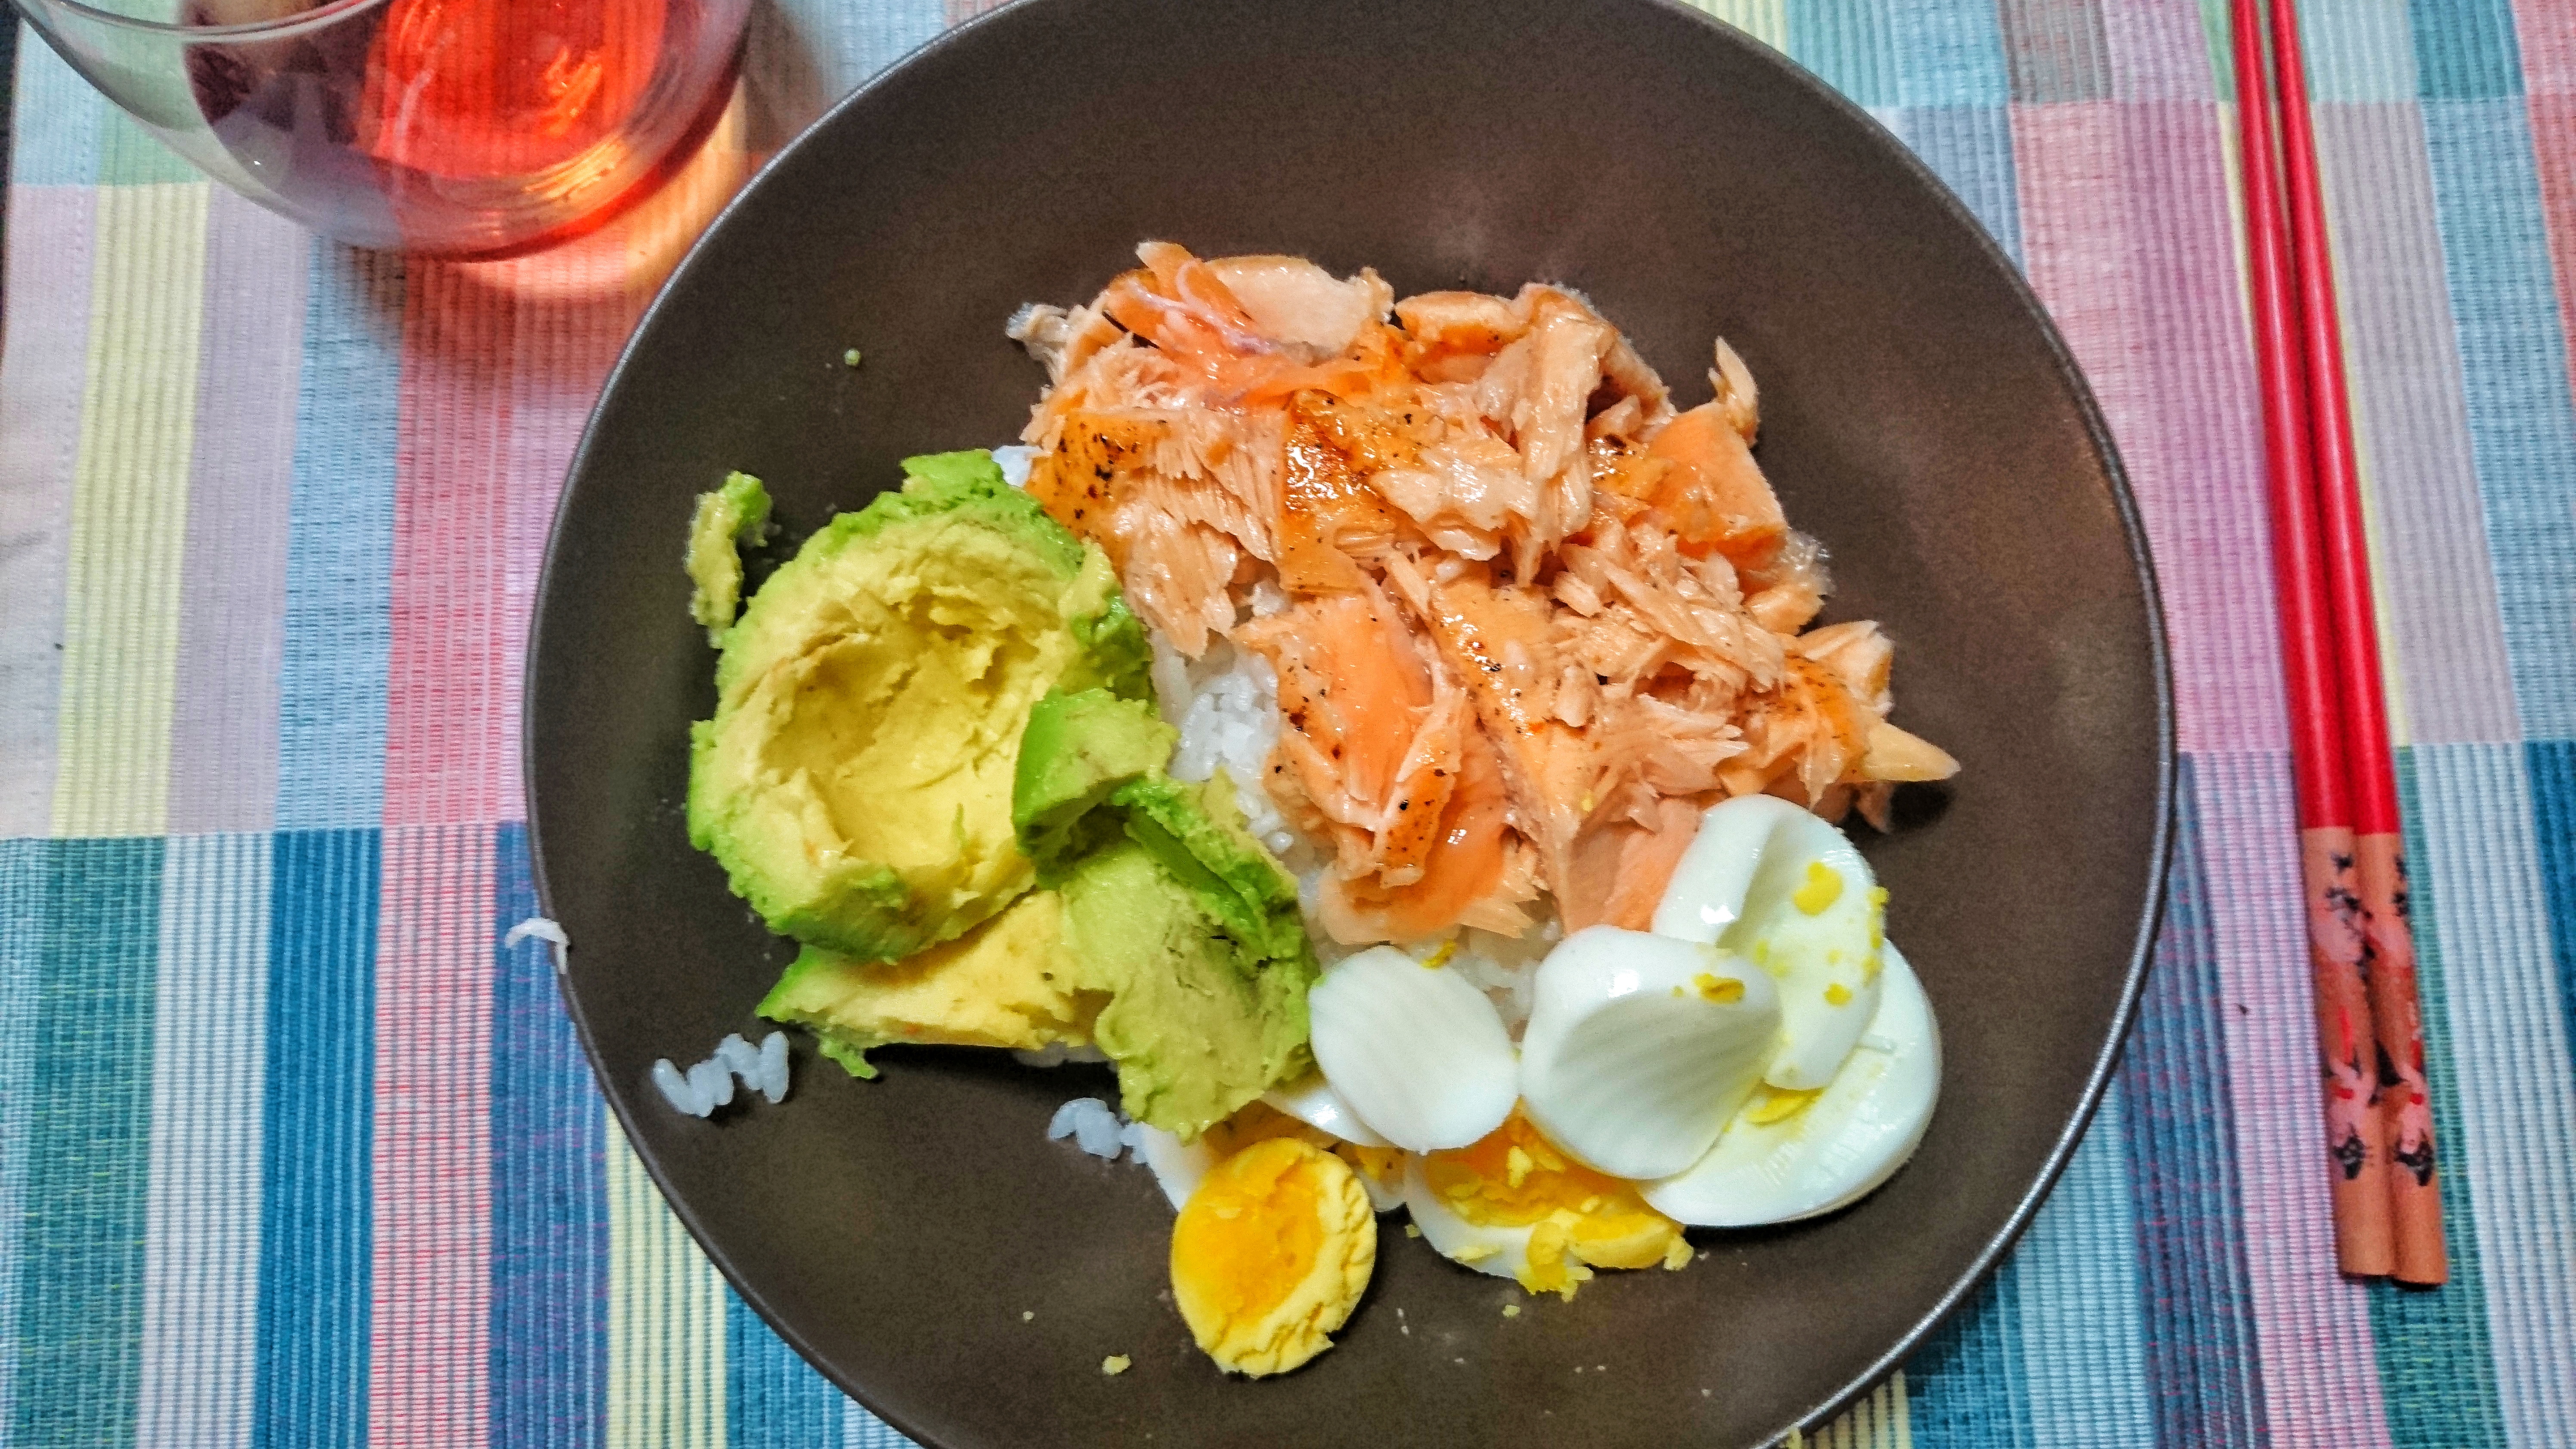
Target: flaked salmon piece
<point x="1061" y="339"/>
<point x="1351" y="685"/>
<point x="1329" y="517"/>
<point x="1471" y="873"/>
<point x="1461" y="492"/>
<point x="1451" y="337"/>
<point x="1500" y="641"/>
<point x="1621" y="864"/>
<point x="1858" y="654"/>
<point x="1299" y="305"/>
<point x="1787" y="592"/>
<point x="1737" y="400"/>
<point x="1714" y="496"/>
<point x="1626" y="374"/>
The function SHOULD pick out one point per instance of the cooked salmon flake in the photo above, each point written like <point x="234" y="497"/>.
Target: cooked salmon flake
<point x="1537" y="619"/>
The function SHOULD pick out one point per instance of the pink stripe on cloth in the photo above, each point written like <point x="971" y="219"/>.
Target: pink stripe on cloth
<point x="2553" y="146"/>
<point x="563" y="349"/>
<point x="232" y="597"/>
<point x="451" y="746"/>
<point x="428" y="1382"/>
<point x="2159" y="52"/>
<point x="2122" y="216"/>
<point x="44" y="374"/>
<point x="2312" y="1326"/>
<point x="2546" y="31"/>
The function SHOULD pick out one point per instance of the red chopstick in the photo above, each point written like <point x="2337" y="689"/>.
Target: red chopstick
<point x="2415" y="1192"/>
<point x="2356" y="1147"/>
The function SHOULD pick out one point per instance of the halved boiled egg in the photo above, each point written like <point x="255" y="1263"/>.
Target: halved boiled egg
<point x="1788" y="892"/>
<point x="1418" y="1054"/>
<point x="1639" y="1048"/>
<point x="1791" y="1155"/>
<point x="1514" y="1205"/>
<point x="1270" y="1254"/>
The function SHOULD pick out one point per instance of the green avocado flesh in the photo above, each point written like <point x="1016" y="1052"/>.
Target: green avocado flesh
<point x="1164" y="934"/>
<point x="935" y="761"/>
<point x="734" y="514"/>
<point x="855" y="780"/>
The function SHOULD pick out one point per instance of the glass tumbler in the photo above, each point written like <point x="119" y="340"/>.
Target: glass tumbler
<point x="455" y="128"/>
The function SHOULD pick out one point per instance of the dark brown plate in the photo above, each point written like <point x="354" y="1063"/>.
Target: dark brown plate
<point x="1919" y="415"/>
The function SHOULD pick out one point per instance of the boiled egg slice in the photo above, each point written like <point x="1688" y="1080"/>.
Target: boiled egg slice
<point x="1786" y="891"/>
<point x="1418" y="1054"/>
<point x="1512" y="1204"/>
<point x="1790" y="1155"/>
<point x="1179" y="1167"/>
<point x="1313" y="1101"/>
<point x="1270" y="1254"/>
<point x="1639" y="1048"/>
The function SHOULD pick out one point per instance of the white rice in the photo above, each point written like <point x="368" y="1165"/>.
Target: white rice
<point x="1094" y="1126"/>
<point x="539" y="928"/>
<point x="704" y="1087"/>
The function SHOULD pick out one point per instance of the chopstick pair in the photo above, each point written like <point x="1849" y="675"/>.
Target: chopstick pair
<point x="2379" y="1118"/>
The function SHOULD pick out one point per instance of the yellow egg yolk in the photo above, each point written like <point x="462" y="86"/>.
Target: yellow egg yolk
<point x="1579" y="1219"/>
<point x="1823" y="887"/>
<point x="1270" y="1254"/>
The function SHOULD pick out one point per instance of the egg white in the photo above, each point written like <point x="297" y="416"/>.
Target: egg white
<point x="1840" y="1146"/>
<point x="1501" y="1251"/>
<point x="1627" y="1063"/>
<point x="1417" y="1052"/>
<point x="1738" y="884"/>
<point x="1312" y="1100"/>
<point x="1178" y="1168"/>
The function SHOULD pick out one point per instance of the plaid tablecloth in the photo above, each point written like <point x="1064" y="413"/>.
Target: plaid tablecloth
<point x="294" y="1153"/>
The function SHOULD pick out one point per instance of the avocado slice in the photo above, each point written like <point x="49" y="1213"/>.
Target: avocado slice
<point x="734" y="514"/>
<point x="1080" y="749"/>
<point x="1009" y="982"/>
<point x="856" y="778"/>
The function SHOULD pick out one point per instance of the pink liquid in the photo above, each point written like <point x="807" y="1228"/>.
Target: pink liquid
<point x="471" y="127"/>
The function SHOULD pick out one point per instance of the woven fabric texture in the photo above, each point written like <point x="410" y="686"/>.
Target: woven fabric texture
<point x="295" y="1153"/>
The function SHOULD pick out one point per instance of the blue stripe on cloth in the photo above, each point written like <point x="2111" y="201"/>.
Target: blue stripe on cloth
<point x="863" y="1430"/>
<point x="851" y="40"/>
<point x="200" y="1349"/>
<point x="774" y="1399"/>
<point x="2436" y="1364"/>
<point x="57" y="119"/>
<point x="1971" y="149"/>
<point x="2552" y="766"/>
<point x="96" y="944"/>
<point x="22" y="974"/>
<point x="1964" y="1385"/>
<point x="2513" y="366"/>
<point x="2358" y="51"/>
<point x="549" y="1343"/>
<point x="2200" y="1346"/>
<point x="2082" y="1336"/>
<point x="2505" y="1040"/>
<point x="1948" y="53"/>
<point x="339" y="609"/>
<point x="317" y="1169"/>
<point x="2465" y="50"/>
<point x="1847" y="43"/>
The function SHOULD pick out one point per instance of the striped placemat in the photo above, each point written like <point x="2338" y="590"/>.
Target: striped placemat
<point x="294" y="1153"/>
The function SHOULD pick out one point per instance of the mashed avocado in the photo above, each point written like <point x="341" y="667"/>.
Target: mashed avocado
<point x="1165" y="934"/>
<point x="734" y="514"/>
<point x="856" y="778"/>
